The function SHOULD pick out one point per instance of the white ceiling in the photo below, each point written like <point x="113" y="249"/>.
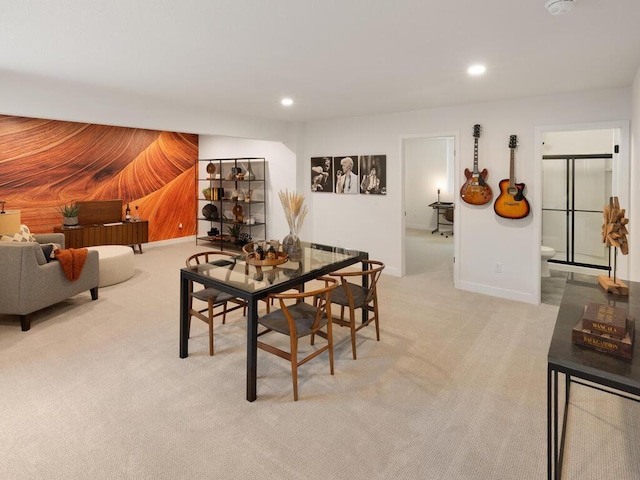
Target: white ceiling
<point x="333" y="57"/>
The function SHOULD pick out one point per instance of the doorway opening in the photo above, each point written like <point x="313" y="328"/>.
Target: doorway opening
<point x="581" y="169"/>
<point x="429" y="231"/>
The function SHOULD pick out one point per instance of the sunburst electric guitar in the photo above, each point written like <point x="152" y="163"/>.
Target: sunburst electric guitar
<point x="475" y="190"/>
<point x="511" y="202"/>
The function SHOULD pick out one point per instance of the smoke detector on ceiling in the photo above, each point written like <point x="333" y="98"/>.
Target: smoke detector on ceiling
<point x="559" y="7"/>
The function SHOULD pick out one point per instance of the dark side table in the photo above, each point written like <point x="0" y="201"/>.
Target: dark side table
<point x="621" y="377"/>
<point x="444" y="209"/>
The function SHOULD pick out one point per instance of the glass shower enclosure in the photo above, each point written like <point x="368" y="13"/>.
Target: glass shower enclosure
<point x="575" y="190"/>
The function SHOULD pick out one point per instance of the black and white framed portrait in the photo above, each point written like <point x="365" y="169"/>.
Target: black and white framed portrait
<point x="373" y="174"/>
<point x="346" y="173"/>
<point x="322" y="174"/>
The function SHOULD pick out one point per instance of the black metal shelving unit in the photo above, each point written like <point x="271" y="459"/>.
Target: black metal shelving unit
<point x="222" y="180"/>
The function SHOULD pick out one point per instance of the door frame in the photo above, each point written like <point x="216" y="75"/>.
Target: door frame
<point x="621" y="181"/>
<point x="456" y="186"/>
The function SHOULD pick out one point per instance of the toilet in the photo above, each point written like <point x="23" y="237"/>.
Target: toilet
<point x="545" y="254"/>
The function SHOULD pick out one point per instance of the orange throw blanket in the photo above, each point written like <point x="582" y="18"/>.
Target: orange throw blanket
<point x="72" y="260"/>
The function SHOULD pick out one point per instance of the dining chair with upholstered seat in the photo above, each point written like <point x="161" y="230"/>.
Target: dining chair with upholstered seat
<point x="300" y="319"/>
<point x="214" y="298"/>
<point x="353" y="297"/>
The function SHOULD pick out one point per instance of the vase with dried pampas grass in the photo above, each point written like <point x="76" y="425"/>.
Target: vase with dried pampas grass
<point x="295" y="211"/>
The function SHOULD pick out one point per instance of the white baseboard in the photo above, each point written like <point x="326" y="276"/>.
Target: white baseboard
<point x="420" y="227"/>
<point x="498" y="292"/>
<point x="170" y="241"/>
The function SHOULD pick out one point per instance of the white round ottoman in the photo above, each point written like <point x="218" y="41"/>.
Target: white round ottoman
<point x="115" y="262"/>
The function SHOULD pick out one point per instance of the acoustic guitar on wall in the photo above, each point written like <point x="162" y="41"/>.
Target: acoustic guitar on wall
<point x="511" y="202"/>
<point x="475" y="190"/>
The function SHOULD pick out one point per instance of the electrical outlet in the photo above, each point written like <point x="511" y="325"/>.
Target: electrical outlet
<point x="498" y="268"/>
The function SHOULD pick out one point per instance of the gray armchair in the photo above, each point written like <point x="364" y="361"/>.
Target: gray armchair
<point x="29" y="283"/>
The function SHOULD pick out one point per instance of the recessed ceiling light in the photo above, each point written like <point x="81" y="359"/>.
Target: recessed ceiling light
<point x="476" y="70"/>
<point x="287" y="102"/>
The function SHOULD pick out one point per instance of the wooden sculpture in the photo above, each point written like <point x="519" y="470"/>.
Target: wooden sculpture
<point x="614" y="234"/>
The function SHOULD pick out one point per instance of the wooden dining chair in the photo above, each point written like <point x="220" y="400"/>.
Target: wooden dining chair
<point x="353" y="296"/>
<point x="298" y="320"/>
<point x="213" y="298"/>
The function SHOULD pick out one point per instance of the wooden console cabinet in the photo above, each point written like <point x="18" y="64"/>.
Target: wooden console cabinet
<point x="126" y="233"/>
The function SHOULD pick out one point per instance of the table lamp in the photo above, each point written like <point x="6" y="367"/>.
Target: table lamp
<point x="438" y="195"/>
<point x="9" y="220"/>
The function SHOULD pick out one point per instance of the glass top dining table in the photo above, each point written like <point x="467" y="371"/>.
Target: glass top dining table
<point x="232" y="274"/>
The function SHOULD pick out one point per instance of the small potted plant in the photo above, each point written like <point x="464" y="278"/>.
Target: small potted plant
<point x="234" y="231"/>
<point x="69" y="212"/>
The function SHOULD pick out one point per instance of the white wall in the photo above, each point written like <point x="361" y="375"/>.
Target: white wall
<point x="584" y="142"/>
<point x="482" y="238"/>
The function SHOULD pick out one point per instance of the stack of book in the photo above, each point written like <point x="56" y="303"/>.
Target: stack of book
<point x="605" y="328"/>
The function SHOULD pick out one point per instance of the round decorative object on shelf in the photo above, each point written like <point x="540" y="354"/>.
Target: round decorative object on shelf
<point x="237" y="211"/>
<point x="211" y="169"/>
<point x="210" y="212"/>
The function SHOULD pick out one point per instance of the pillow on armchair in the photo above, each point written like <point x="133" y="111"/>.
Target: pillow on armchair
<point x="24" y="235"/>
<point x="47" y="250"/>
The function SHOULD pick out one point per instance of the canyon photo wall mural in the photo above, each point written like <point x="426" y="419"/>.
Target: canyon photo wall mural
<point x="47" y="163"/>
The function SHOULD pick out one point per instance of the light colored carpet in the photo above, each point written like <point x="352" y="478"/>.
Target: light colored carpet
<point x="456" y="389"/>
<point x="427" y="252"/>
